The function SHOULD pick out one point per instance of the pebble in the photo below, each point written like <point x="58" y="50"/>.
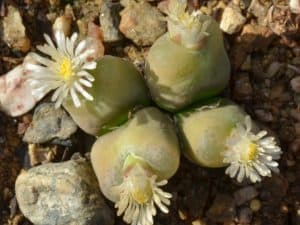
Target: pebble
<point x="242" y="89"/>
<point x="295" y="84"/>
<point x="257" y="36"/>
<point x="49" y="123"/>
<point x="273" y="69"/>
<point x="246" y="66"/>
<point x="198" y="222"/>
<point x="54" y="3"/>
<point x="244" y="4"/>
<point x="295" y="145"/>
<point x="255" y="205"/>
<point x="296" y="218"/>
<point x="62" y="193"/>
<point x="94" y="41"/>
<point x="15" y="93"/>
<point x="296" y="60"/>
<point x="232" y="20"/>
<point x="14" y="33"/>
<point x="297" y="129"/>
<point x="245" y="215"/>
<point x="222" y="209"/>
<point x="245" y="194"/>
<point x="141" y="22"/>
<point x="62" y="23"/>
<point x="38" y="154"/>
<point x="229" y="223"/>
<point x="182" y="215"/>
<point x="294" y="6"/>
<point x="259" y="10"/>
<point x="264" y="115"/>
<point x="110" y="20"/>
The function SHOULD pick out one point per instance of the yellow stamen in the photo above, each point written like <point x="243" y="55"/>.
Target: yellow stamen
<point x="252" y="151"/>
<point x="141" y="189"/>
<point x="66" y="69"/>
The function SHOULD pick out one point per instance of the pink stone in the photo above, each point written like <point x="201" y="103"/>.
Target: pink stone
<point x="15" y="93"/>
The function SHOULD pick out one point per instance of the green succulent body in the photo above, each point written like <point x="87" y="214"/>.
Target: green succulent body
<point x="204" y="130"/>
<point x="118" y="88"/>
<point x="178" y="76"/>
<point x="150" y="136"/>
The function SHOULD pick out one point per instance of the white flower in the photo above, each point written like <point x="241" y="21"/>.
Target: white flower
<point x="250" y="155"/>
<point x="138" y="195"/>
<point x="187" y="28"/>
<point x="65" y="70"/>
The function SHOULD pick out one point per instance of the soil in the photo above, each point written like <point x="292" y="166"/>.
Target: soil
<point x="270" y="100"/>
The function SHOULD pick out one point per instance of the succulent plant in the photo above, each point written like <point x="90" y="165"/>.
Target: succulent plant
<point x="189" y="62"/>
<point x="134" y="161"/>
<point x="118" y="88"/>
<point x="98" y="95"/>
<point x="221" y="134"/>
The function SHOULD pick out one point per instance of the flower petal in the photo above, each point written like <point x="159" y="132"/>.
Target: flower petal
<point x="75" y="98"/>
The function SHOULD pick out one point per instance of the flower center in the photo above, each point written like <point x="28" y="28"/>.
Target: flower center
<point x="141" y="189"/>
<point x="252" y="151"/>
<point x="66" y="69"/>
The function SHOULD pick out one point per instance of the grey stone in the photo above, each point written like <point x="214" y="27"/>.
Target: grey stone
<point x="245" y="194"/>
<point x="273" y="68"/>
<point x="141" y="22"/>
<point x="232" y="20"/>
<point x="222" y="209"/>
<point x="110" y="20"/>
<point x="64" y="193"/>
<point x="49" y="123"/>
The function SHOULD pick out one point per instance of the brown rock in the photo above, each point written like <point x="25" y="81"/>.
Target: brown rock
<point x="14" y="31"/>
<point x="259" y="10"/>
<point x="245" y="215"/>
<point x="242" y="89"/>
<point x="253" y="37"/>
<point x="259" y="36"/>
<point x="38" y="154"/>
<point x="141" y="22"/>
<point x="264" y="115"/>
<point x="222" y="209"/>
<point x="295" y="113"/>
<point x="94" y="40"/>
<point x="295" y="145"/>
<point x="245" y="194"/>
<point x="62" y="23"/>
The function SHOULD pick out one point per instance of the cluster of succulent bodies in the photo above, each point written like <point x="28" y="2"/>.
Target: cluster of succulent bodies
<point x="138" y="146"/>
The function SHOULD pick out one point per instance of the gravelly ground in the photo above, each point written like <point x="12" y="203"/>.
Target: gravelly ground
<point x="201" y="196"/>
